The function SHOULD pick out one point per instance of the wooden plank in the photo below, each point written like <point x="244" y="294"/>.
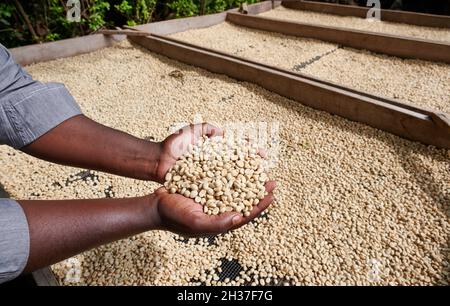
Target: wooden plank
<point x="419" y="19"/>
<point x="407" y="122"/>
<point x="130" y="32"/>
<point x="168" y="27"/>
<point x="45" y="277"/>
<point x="64" y="48"/>
<point x="400" y="46"/>
<point x="261" y="7"/>
<point x="3" y="193"/>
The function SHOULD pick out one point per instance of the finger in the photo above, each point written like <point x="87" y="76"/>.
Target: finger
<point x="262" y="206"/>
<point x="238" y="219"/>
<point x="161" y="190"/>
<point x="270" y="186"/>
<point x="262" y="152"/>
<point x="215" y="224"/>
<point x="179" y="141"/>
<point x="264" y="203"/>
<point x="232" y="220"/>
<point x="205" y="129"/>
<point x="256" y="211"/>
<point x="211" y="130"/>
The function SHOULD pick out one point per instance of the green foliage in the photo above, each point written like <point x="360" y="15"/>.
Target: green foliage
<point x="138" y="11"/>
<point x="125" y="8"/>
<point x="8" y="35"/>
<point x="48" y="22"/>
<point x="6" y="11"/>
<point x="96" y="18"/>
<point x="213" y="6"/>
<point x="52" y="37"/>
<point x="184" y="8"/>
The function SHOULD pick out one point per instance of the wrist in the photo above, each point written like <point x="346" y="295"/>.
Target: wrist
<point x="152" y="157"/>
<point x="151" y="212"/>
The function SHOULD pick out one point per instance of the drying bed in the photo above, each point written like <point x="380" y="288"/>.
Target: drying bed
<point x="421" y="83"/>
<point x="272" y="48"/>
<point x="437" y="34"/>
<point x="354" y="205"/>
<point x="397" y="16"/>
<point x="418" y="82"/>
<point x="400" y="46"/>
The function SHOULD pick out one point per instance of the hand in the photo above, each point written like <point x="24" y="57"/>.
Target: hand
<point x="183" y="216"/>
<point x="176" y="145"/>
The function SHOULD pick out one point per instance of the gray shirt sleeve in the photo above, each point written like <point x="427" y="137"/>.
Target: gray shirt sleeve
<point x="14" y="240"/>
<point x="28" y="109"/>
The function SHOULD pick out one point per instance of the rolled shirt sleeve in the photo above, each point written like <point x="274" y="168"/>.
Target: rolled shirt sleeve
<point x="14" y="240"/>
<point x="28" y="109"/>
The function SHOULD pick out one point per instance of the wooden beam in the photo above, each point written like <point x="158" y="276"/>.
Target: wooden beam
<point x="64" y="48"/>
<point x="45" y="277"/>
<point x="418" y="19"/>
<point x="404" y="120"/>
<point x="400" y="46"/>
<point x="130" y="32"/>
<point x="168" y="27"/>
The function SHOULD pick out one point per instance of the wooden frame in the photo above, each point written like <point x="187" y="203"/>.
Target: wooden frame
<point x="418" y="19"/>
<point x="44" y="277"/>
<point x="400" y="46"/>
<point x="64" y="48"/>
<point x="401" y="119"/>
<point x="184" y="24"/>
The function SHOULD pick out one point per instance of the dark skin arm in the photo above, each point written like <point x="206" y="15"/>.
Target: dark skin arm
<point x="60" y="229"/>
<point x="84" y="143"/>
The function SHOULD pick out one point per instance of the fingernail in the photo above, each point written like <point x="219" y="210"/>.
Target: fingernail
<point x="236" y="219"/>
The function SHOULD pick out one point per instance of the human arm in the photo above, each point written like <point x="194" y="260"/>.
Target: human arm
<point x="61" y="229"/>
<point x="82" y="142"/>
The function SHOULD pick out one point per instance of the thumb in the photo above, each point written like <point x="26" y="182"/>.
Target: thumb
<point x="161" y="191"/>
<point x="218" y="224"/>
<point x="229" y="220"/>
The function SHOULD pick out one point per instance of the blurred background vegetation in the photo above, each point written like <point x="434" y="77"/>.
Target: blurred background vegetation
<point x="24" y="22"/>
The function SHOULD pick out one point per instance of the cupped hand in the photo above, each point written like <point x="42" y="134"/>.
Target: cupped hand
<point x="183" y="216"/>
<point x="176" y="145"/>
